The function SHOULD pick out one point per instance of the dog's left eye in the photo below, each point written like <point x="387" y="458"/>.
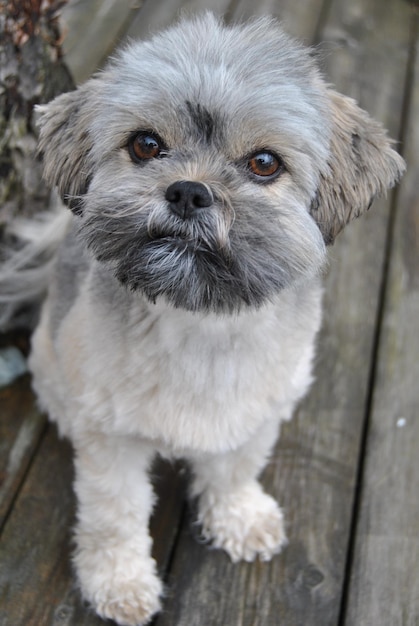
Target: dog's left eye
<point x="144" y="146"/>
<point x="265" y="165"/>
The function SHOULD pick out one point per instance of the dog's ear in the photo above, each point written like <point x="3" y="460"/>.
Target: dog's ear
<point x="362" y="165"/>
<point x="65" y="144"/>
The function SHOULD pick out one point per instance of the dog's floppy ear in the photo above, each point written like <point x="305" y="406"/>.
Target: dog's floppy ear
<point x="65" y="144"/>
<point x="362" y="165"/>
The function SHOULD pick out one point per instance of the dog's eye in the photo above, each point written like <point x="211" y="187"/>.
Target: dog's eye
<point x="144" y="146"/>
<point x="265" y="165"/>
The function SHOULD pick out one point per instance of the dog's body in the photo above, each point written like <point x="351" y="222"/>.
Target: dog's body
<point x="136" y="368"/>
<point x="206" y="170"/>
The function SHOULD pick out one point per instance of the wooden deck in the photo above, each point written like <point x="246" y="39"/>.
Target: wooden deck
<point x="346" y="469"/>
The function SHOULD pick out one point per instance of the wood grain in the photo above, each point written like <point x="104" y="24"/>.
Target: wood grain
<point x="157" y="14"/>
<point x="21" y="428"/>
<point x="34" y="545"/>
<point x="91" y="30"/>
<point x="299" y="18"/>
<point x="384" y="583"/>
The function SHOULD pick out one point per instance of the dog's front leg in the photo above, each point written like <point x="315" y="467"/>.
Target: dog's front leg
<point x="113" y="546"/>
<point x="234" y="511"/>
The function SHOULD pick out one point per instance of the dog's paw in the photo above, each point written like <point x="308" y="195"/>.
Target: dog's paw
<point x="247" y="523"/>
<point x="128" y="595"/>
<point x="132" y="603"/>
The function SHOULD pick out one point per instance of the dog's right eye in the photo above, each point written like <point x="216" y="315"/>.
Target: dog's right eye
<point x="144" y="146"/>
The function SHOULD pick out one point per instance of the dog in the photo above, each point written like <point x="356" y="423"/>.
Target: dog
<point x="205" y="170"/>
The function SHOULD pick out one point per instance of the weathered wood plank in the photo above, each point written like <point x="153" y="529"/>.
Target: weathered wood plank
<point x="34" y="543"/>
<point x="315" y="473"/>
<point x="91" y="29"/>
<point x="21" y="427"/>
<point x="157" y="14"/>
<point x="385" y="577"/>
<point x="299" y="18"/>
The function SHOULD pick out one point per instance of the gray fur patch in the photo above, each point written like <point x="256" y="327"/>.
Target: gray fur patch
<point x="206" y="123"/>
<point x="72" y="265"/>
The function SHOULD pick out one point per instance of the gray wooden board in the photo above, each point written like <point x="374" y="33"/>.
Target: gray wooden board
<point x="157" y="14"/>
<point x="385" y="574"/>
<point x="90" y="31"/>
<point x="314" y="471"/>
<point x="298" y="18"/>
<point x="21" y="428"/>
<point x="34" y="545"/>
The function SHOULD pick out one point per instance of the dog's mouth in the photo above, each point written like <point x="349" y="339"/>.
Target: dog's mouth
<point x="180" y="246"/>
<point x="187" y="271"/>
<point x="186" y="241"/>
<point x="192" y="265"/>
<point x="181" y="238"/>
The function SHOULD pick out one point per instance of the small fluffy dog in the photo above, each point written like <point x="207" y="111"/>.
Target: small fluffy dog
<point x="206" y="171"/>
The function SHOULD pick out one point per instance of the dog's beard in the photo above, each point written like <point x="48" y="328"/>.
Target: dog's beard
<point x="207" y="263"/>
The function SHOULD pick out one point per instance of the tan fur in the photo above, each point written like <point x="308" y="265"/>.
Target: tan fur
<point x="69" y="113"/>
<point x="362" y="165"/>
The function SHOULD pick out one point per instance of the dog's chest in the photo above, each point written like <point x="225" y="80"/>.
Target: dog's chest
<point x="188" y="381"/>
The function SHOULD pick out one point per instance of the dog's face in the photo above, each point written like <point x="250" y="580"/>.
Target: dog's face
<point x="211" y="164"/>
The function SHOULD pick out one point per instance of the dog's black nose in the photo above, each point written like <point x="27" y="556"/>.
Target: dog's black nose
<point x="186" y="197"/>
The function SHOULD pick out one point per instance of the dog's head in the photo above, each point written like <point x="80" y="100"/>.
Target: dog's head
<point x="211" y="165"/>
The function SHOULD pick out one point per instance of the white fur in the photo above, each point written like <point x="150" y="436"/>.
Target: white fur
<point x="189" y="381"/>
<point x="116" y="572"/>
<point x="209" y="388"/>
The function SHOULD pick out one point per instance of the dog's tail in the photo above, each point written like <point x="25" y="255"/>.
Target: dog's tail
<point x="27" y="259"/>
